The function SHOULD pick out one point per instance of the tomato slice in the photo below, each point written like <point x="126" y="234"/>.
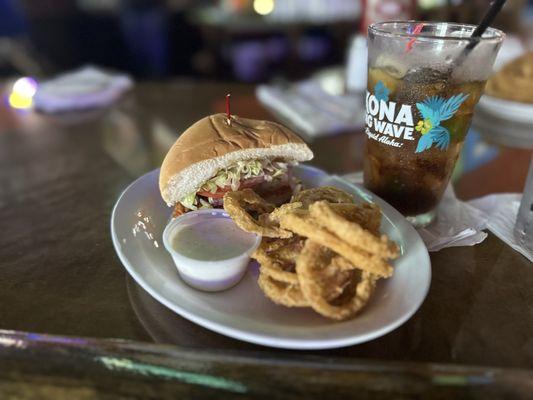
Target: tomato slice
<point x="247" y="183"/>
<point x="217" y="195"/>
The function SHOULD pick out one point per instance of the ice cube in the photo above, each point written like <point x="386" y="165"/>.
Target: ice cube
<point x="421" y="82"/>
<point x="393" y="71"/>
<point x="392" y="66"/>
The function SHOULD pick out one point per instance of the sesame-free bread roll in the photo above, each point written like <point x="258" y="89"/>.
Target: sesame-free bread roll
<point x="212" y="144"/>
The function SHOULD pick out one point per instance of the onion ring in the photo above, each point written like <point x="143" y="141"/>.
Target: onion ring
<point x="366" y="214"/>
<point x="332" y="292"/>
<point x="241" y="204"/>
<point x="327" y="217"/>
<point x="328" y="193"/>
<point x="282" y="293"/>
<point x="304" y="224"/>
<point x="278" y="258"/>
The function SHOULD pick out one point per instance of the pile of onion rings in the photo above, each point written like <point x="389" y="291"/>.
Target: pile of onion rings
<point x="321" y="250"/>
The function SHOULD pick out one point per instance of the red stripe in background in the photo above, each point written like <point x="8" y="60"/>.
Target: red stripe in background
<point x="416" y="31"/>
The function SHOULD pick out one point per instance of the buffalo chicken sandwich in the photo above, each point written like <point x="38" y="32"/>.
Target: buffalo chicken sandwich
<point x="219" y="154"/>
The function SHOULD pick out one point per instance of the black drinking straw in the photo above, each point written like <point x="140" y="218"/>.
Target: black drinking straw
<point x="493" y="10"/>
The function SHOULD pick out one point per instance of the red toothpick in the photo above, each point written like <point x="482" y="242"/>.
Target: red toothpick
<point x="228" y="108"/>
<point x="416" y="31"/>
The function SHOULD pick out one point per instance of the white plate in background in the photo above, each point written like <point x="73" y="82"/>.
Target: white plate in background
<point x="508" y="110"/>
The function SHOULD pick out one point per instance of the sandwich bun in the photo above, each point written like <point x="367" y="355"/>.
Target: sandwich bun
<point x="212" y="144"/>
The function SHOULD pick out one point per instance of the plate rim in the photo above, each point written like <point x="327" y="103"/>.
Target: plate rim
<point x="510" y="103"/>
<point x="507" y="110"/>
<point x="265" y="339"/>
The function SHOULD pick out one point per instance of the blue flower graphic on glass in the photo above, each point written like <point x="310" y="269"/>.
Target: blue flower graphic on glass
<point x="381" y="92"/>
<point x="434" y="110"/>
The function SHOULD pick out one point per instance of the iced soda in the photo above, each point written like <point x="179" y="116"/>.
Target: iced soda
<point x="418" y="113"/>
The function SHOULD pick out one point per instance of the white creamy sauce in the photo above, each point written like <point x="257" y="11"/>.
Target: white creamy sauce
<point x="212" y="239"/>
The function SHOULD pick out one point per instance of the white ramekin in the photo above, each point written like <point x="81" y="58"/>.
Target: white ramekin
<point x="209" y="276"/>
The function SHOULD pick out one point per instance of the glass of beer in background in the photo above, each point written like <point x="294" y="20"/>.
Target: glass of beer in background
<point x="422" y="89"/>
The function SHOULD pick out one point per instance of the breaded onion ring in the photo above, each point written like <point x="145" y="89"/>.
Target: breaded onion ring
<point x="277" y="258"/>
<point x="245" y="208"/>
<point x="333" y="221"/>
<point x="331" y="291"/>
<point x="306" y="225"/>
<point x="328" y="193"/>
<point x="282" y="293"/>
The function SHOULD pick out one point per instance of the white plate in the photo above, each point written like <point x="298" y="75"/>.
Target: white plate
<point x="508" y="110"/>
<point x="243" y="312"/>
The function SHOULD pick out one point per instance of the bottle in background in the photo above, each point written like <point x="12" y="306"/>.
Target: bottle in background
<point x="356" y="65"/>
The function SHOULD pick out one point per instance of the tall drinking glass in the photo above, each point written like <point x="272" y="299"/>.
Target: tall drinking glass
<point x="422" y="90"/>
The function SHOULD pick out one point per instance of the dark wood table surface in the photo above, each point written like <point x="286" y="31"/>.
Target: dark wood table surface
<point x="59" y="274"/>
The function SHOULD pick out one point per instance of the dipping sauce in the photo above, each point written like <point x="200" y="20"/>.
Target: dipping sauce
<point x="212" y="239"/>
<point x="209" y="250"/>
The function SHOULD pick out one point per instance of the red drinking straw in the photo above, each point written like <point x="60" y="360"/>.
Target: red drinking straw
<point x="228" y="110"/>
<point x="416" y="31"/>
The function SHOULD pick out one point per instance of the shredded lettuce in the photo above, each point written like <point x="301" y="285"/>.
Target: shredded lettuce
<point x="205" y="204"/>
<point x="232" y="176"/>
<point x="189" y="201"/>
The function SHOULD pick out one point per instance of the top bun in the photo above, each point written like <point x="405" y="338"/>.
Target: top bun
<point x="211" y="144"/>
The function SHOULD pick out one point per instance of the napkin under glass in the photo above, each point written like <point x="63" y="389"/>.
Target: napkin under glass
<point x="463" y="223"/>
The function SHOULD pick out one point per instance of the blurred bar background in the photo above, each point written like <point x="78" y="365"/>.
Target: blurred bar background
<point x="239" y="40"/>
